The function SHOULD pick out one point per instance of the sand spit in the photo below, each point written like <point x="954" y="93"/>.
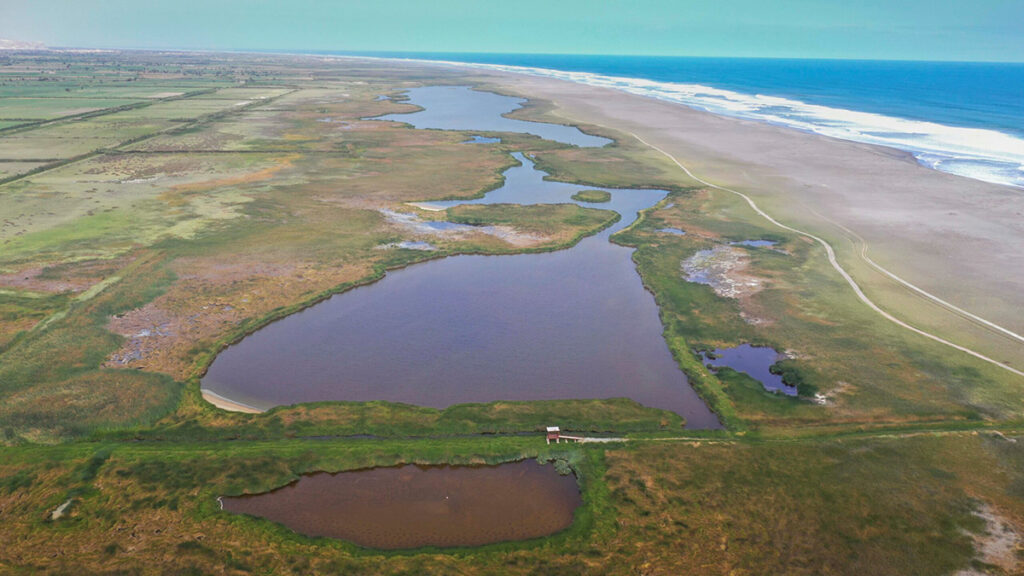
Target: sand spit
<point x="228" y="404"/>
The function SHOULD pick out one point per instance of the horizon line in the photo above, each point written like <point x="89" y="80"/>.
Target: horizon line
<point x="395" y="54"/>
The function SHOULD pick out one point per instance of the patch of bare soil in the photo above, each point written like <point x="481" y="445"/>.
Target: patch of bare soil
<point x="75" y="277"/>
<point x="726" y="270"/>
<point x="209" y="300"/>
<point x="413" y="223"/>
<point x="834" y="396"/>
<point x="999" y="545"/>
<point x="515" y="237"/>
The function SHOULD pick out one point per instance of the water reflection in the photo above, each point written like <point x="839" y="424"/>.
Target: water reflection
<point x="462" y="108"/>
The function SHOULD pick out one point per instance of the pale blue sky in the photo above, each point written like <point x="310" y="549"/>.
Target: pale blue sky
<point x="887" y="29"/>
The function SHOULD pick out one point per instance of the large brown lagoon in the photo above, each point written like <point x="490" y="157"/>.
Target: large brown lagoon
<point x="575" y="323"/>
<point x="414" y="506"/>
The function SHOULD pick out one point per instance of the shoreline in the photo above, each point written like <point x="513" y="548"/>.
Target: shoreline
<point x="830" y="124"/>
<point x="227" y="403"/>
<point x="952" y="237"/>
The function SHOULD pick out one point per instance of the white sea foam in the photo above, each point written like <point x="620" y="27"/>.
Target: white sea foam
<point x="982" y="154"/>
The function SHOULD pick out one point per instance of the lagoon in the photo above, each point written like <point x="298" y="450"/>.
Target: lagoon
<point x="574" y="323"/>
<point x="415" y="506"/>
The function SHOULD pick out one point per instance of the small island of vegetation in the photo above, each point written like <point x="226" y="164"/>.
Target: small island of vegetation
<point x="592" y="196"/>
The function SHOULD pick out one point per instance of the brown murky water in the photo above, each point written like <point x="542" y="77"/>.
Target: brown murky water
<point x="414" y="506"/>
<point x="576" y="323"/>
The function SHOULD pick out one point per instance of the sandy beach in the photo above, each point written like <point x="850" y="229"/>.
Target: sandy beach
<point x="229" y="405"/>
<point x="956" y="238"/>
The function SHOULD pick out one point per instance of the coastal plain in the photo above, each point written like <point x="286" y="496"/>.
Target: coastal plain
<point x="158" y="207"/>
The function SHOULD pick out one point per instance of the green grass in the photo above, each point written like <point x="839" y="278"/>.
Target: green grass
<point x="868" y="506"/>
<point x="21" y="310"/>
<point x="593" y="196"/>
<point x="52" y="385"/>
<point x="614" y="416"/>
<point x="12" y="169"/>
<point x="48" y="108"/>
<point x="542" y="219"/>
<point x="898" y="506"/>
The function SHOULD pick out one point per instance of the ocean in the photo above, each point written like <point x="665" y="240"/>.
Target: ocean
<point x="963" y="118"/>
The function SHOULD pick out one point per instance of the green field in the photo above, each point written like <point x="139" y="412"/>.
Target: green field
<point x="235" y="190"/>
<point x="48" y="108"/>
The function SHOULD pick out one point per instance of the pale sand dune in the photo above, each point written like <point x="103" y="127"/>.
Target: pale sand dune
<point x="958" y="239"/>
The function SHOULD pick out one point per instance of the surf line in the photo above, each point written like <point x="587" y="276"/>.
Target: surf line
<point x="842" y="272"/>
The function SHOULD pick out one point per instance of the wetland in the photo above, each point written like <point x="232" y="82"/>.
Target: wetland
<point x="573" y="323"/>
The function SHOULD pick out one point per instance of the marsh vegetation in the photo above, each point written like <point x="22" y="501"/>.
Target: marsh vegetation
<point x="158" y="207"/>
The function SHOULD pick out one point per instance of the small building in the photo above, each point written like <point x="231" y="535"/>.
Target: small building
<point x="553" y="434"/>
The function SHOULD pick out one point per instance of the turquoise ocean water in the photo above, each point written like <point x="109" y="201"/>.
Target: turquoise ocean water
<point x="963" y="118"/>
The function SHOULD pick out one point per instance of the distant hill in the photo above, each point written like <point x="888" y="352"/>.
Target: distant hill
<point x="6" y="44"/>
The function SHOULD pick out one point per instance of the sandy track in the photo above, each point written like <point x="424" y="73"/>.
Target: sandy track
<point x="849" y="279"/>
<point x="863" y="253"/>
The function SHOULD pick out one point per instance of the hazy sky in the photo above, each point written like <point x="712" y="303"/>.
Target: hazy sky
<point x="901" y="29"/>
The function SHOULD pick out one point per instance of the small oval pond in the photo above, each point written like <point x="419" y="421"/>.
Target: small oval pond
<point x="755" y="243"/>
<point x="462" y="108"/>
<point x="675" y="231"/>
<point x="415" y="506"/>
<point x="754" y="361"/>
<point x="482" y="140"/>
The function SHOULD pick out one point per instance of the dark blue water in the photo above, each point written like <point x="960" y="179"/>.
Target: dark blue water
<point x="482" y="140"/>
<point x="755" y="243"/>
<point x="754" y="361"/>
<point x="963" y="118"/>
